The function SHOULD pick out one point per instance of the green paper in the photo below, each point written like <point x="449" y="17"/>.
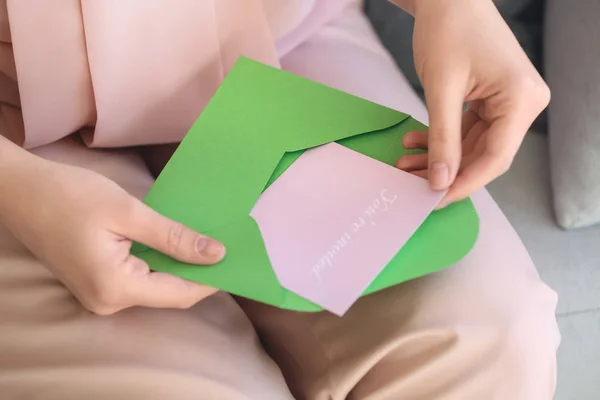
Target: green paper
<point x="257" y="124"/>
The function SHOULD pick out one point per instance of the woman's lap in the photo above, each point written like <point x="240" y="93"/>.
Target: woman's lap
<point x="484" y="328"/>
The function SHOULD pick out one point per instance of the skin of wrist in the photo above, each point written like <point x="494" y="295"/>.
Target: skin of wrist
<point x="406" y="5"/>
<point x="419" y="6"/>
<point x="414" y="6"/>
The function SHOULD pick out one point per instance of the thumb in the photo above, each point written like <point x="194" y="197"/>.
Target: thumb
<point x="148" y="227"/>
<point x="161" y="290"/>
<point x="444" y="104"/>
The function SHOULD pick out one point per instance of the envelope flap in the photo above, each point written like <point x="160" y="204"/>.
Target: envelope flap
<point x="257" y="115"/>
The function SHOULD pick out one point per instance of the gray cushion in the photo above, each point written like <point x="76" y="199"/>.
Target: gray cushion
<point x="567" y="261"/>
<point x="572" y="65"/>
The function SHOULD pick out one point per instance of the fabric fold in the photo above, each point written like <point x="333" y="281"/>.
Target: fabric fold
<point x="52" y="68"/>
<point x="135" y="75"/>
<point x="153" y="68"/>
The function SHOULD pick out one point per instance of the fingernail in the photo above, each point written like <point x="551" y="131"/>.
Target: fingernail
<point x="439" y="175"/>
<point x="406" y="142"/>
<point x="209" y="247"/>
<point x="400" y="162"/>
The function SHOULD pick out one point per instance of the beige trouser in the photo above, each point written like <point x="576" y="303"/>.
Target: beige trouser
<point x="482" y="329"/>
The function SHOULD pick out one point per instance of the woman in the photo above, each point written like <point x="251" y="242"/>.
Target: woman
<point x="121" y="75"/>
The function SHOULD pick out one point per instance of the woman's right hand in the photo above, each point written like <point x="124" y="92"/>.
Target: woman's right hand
<point x="81" y="225"/>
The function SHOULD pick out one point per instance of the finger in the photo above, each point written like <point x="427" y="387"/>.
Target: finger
<point x="419" y="139"/>
<point x="503" y="140"/>
<point x="444" y="98"/>
<point x="148" y="227"/>
<point x="421" y="173"/>
<point x="473" y="138"/>
<point x="470" y="117"/>
<point x="411" y="162"/>
<point x="476" y="107"/>
<point x="415" y="140"/>
<point x="160" y="290"/>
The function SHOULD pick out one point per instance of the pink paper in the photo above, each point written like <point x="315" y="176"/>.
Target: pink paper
<point x="335" y="218"/>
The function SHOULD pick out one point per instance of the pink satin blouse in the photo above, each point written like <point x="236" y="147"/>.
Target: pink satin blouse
<point x="131" y="73"/>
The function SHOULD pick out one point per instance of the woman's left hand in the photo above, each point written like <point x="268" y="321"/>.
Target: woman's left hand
<point x="465" y="52"/>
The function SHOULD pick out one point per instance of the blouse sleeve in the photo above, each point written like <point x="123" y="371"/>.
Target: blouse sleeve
<point x="11" y="119"/>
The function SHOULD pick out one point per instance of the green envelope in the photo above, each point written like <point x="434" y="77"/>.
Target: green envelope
<point x="257" y="124"/>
